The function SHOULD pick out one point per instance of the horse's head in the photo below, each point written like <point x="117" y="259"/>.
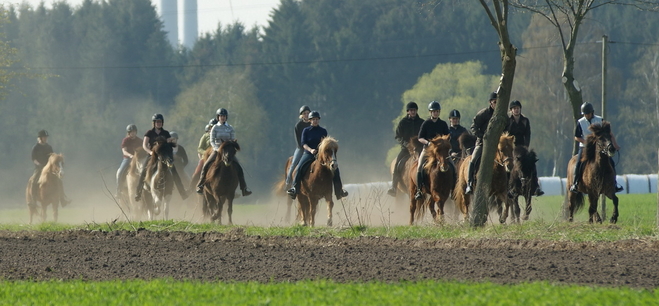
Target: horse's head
<point x="505" y="149"/>
<point x="163" y="152"/>
<point x="327" y="152"/>
<point x="467" y="142"/>
<point x="525" y="168"/>
<point x="138" y="157"/>
<point x="227" y="151"/>
<point x="414" y="146"/>
<point x="55" y="164"/>
<point x="437" y="152"/>
<point x="600" y="139"/>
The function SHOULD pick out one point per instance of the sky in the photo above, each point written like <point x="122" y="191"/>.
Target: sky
<point x="249" y="12"/>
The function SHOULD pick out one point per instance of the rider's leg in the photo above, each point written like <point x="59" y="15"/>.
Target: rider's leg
<point x="241" y="178"/>
<point x="296" y="159"/>
<point x="140" y="182"/>
<point x="35" y="185"/>
<point x="395" y="177"/>
<point x="121" y="174"/>
<point x="306" y="159"/>
<point x="576" y="173"/>
<point x="179" y="184"/>
<point x="473" y="165"/>
<point x="204" y="169"/>
<point x="419" y="175"/>
<point x="338" y="185"/>
<point x="615" y="179"/>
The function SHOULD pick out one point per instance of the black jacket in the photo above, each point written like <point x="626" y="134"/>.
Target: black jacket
<point x="521" y="130"/>
<point x="408" y="128"/>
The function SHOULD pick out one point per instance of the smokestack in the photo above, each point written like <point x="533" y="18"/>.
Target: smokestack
<point x="167" y="10"/>
<point x="188" y="33"/>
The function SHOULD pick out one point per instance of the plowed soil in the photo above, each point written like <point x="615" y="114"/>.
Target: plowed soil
<point x="233" y="256"/>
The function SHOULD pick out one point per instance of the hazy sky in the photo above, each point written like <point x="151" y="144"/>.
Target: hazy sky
<point x="249" y="12"/>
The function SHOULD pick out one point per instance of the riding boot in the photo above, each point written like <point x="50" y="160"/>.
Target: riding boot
<point x="179" y="184"/>
<point x="35" y="188"/>
<point x="241" y="180"/>
<point x="204" y="169"/>
<point x="576" y="176"/>
<point x="419" y="185"/>
<point x="394" y="186"/>
<point x="140" y="185"/>
<point x="339" y="192"/>
<point x="470" y="178"/>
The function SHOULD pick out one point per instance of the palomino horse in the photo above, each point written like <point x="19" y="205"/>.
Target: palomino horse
<point x="597" y="175"/>
<point x="439" y="180"/>
<point x="503" y="164"/>
<point x="414" y="147"/>
<point x="221" y="182"/>
<point x="132" y="179"/>
<point x="280" y="190"/>
<point x="50" y="187"/>
<point x="317" y="183"/>
<point x="523" y="181"/>
<point x="158" y="184"/>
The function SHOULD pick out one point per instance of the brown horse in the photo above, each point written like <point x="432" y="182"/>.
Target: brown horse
<point x="221" y="182"/>
<point x="523" y="181"/>
<point x="597" y="175"/>
<point x="439" y="180"/>
<point x="503" y="163"/>
<point x="133" y="208"/>
<point x="159" y="180"/>
<point x="317" y="183"/>
<point x="50" y="187"/>
<point x="414" y="148"/>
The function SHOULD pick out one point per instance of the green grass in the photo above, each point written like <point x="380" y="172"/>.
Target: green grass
<point x="170" y="292"/>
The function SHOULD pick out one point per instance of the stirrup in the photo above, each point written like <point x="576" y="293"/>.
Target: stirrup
<point x="342" y="194"/>
<point x="574" y="188"/>
<point x="469" y="190"/>
<point x="418" y="195"/>
<point x="539" y="192"/>
<point x="246" y="192"/>
<point x="292" y="193"/>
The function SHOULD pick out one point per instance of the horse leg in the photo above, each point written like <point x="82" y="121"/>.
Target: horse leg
<point x="330" y="206"/>
<point x="440" y="209"/>
<point x="230" y="208"/>
<point x="302" y="209"/>
<point x="313" y="206"/>
<point x="528" y="209"/>
<point x="43" y="212"/>
<point x="413" y="204"/>
<point x="503" y="205"/>
<point x="592" y="209"/>
<point x="55" y="211"/>
<point x="515" y="209"/>
<point x="289" y="203"/>
<point x="432" y="202"/>
<point x="614" y="216"/>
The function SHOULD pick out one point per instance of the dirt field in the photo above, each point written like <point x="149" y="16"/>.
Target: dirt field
<point x="235" y="257"/>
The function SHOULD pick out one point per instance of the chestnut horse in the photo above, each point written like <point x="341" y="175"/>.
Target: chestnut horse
<point x="221" y="182"/>
<point x="414" y="148"/>
<point x="50" y="187"/>
<point x="523" y="182"/>
<point x="439" y="180"/>
<point x="159" y="181"/>
<point x="503" y="164"/>
<point x="317" y="183"/>
<point x="597" y="174"/>
<point x="128" y="191"/>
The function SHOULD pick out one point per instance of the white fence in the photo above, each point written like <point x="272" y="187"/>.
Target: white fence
<point x="633" y="183"/>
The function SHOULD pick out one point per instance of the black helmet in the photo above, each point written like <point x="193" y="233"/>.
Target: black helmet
<point x="131" y="127"/>
<point x="514" y="103"/>
<point x="173" y="134"/>
<point x="304" y="108"/>
<point x="314" y="114"/>
<point x="222" y="112"/>
<point x="411" y="105"/>
<point x="454" y="114"/>
<point x="213" y="121"/>
<point x="434" y="105"/>
<point x="42" y="133"/>
<point x="587" y="108"/>
<point x="493" y="96"/>
<point x="158" y="117"/>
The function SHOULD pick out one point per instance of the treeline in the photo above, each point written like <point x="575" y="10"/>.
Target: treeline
<point x="95" y="68"/>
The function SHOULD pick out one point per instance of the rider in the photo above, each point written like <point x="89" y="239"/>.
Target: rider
<point x="478" y="128"/>
<point x="520" y="127"/>
<point x="301" y="125"/>
<point x="581" y="131"/>
<point x="128" y="146"/>
<point x="148" y="142"/>
<point x="219" y="133"/>
<point x="429" y="129"/>
<point x="40" y="154"/>
<point x="204" y="144"/>
<point x="310" y="139"/>
<point x="407" y="128"/>
<point x="180" y="156"/>
<point x="455" y="129"/>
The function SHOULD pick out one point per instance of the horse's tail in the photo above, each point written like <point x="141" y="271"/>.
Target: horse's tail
<point x="577" y="200"/>
<point x="278" y="188"/>
<point x="420" y="211"/>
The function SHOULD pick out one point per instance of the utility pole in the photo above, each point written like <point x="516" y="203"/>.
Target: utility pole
<point x="605" y="40"/>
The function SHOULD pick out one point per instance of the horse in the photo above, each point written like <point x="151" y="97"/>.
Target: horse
<point x="131" y="182"/>
<point x="467" y="143"/>
<point x="50" y="187"/>
<point x="414" y="148"/>
<point x="503" y="164"/>
<point x="598" y="175"/>
<point x="280" y="189"/>
<point x="439" y="180"/>
<point x="158" y="182"/>
<point x="221" y="182"/>
<point x="523" y="181"/>
<point x="317" y="183"/>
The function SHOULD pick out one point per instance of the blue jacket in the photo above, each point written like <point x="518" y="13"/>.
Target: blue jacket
<point x="311" y="136"/>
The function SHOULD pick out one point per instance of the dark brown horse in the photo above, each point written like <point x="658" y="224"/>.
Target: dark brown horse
<point x="523" y="181"/>
<point x="414" y="148"/>
<point x="439" y="180"/>
<point x="503" y="163"/>
<point x="50" y="187"/>
<point x="159" y="180"/>
<point x="317" y="183"/>
<point x="221" y="182"/>
<point x="134" y="208"/>
<point x="597" y="174"/>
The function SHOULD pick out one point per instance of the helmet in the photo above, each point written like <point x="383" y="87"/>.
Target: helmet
<point x="493" y="96"/>
<point x="454" y="114"/>
<point x="208" y="127"/>
<point x="42" y="133"/>
<point x="173" y="134"/>
<point x="411" y="105"/>
<point x="587" y="108"/>
<point x="157" y="117"/>
<point x="131" y="127"/>
<point x="304" y="108"/>
<point x="514" y="103"/>
<point x="222" y="112"/>
<point x="314" y="114"/>
<point x="213" y="121"/>
<point x="434" y="105"/>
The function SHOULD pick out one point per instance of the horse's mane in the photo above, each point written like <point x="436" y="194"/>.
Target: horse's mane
<point x="524" y="156"/>
<point x="328" y="144"/>
<point x="436" y="146"/>
<point x="507" y="140"/>
<point x="51" y="167"/>
<point x="414" y="146"/>
<point x="599" y="131"/>
<point x="157" y="146"/>
<point x="227" y="143"/>
<point x="466" y="141"/>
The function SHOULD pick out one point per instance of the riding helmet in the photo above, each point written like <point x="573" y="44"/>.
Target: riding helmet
<point x="213" y="121"/>
<point x="173" y="134"/>
<point x="434" y="105"/>
<point x="314" y="114"/>
<point x="208" y="127"/>
<point x="587" y="108"/>
<point x="43" y="133"/>
<point x="454" y="114"/>
<point x="514" y="103"/>
<point x="411" y="105"/>
<point x="222" y="112"/>
<point x="158" y="117"/>
<point x="304" y="108"/>
<point x="493" y="96"/>
<point x="131" y="127"/>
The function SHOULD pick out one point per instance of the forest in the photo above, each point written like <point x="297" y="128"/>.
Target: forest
<point x="84" y="73"/>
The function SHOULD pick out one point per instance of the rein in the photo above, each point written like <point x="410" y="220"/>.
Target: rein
<point x="498" y="158"/>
